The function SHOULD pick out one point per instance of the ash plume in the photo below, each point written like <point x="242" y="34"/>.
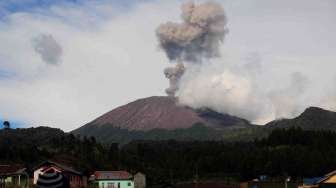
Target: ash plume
<point x="174" y="74"/>
<point x="198" y="37"/>
<point x="48" y="48"/>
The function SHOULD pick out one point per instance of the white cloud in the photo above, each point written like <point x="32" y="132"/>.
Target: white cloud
<point x="110" y="57"/>
<point x="104" y="64"/>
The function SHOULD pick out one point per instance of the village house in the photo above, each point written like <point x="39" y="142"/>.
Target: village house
<point x="111" y="179"/>
<point x="75" y="178"/>
<point x="13" y="176"/>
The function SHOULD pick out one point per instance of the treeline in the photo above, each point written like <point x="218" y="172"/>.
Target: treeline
<point x="34" y="145"/>
<point x="108" y="133"/>
<point x="292" y="152"/>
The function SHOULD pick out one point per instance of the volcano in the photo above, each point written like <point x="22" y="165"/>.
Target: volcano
<point x="160" y="112"/>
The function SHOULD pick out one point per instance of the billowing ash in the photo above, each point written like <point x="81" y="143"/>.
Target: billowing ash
<point x="174" y="74"/>
<point x="253" y="89"/>
<point x="197" y="38"/>
<point x="48" y="48"/>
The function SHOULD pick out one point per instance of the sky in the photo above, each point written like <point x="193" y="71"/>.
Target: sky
<point x="64" y="63"/>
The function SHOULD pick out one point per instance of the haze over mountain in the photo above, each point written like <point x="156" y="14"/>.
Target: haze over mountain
<point x="163" y="118"/>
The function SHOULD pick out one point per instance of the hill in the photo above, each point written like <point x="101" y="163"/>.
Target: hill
<point x="312" y="118"/>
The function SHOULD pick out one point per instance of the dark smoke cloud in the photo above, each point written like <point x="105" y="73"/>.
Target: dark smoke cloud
<point x="48" y="48"/>
<point x="198" y="37"/>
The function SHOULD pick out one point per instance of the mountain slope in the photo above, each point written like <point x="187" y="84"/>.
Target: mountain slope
<point x="162" y="113"/>
<point x="312" y="118"/>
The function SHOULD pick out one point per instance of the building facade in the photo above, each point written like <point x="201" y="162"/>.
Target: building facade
<point x="112" y="179"/>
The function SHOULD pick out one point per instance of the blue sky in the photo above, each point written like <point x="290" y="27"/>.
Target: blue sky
<point x="110" y="57"/>
<point x="12" y="6"/>
<point x="13" y="124"/>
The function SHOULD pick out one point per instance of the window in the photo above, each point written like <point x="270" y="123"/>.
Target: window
<point x="129" y="184"/>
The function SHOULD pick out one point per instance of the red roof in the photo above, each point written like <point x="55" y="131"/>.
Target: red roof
<point x="112" y="175"/>
<point x="61" y="167"/>
<point x="11" y="169"/>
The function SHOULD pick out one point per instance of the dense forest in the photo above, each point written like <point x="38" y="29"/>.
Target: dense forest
<point x="108" y="133"/>
<point x="294" y="152"/>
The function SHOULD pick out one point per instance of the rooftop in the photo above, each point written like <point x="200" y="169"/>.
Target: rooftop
<point x="112" y="175"/>
<point x="11" y="169"/>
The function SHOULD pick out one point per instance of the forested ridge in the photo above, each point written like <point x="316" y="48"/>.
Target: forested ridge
<point x="284" y="152"/>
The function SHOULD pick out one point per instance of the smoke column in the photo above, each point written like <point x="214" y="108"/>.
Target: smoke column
<point x="197" y="38"/>
<point x="257" y="90"/>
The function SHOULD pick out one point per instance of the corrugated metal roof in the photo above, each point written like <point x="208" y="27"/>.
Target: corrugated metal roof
<point x="112" y="175"/>
<point x="11" y="169"/>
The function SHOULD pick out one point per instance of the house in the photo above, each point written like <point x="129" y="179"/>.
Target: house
<point x="112" y="179"/>
<point x="13" y="175"/>
<point x="329" y="180"/>
<point x="75" y="178"/>
<point x="139" y="180"/>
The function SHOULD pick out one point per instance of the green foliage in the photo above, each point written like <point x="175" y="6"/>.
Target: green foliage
<point x="294" y="152"/>
<point x="33" y="145"/>
<point x="109" y="133"/>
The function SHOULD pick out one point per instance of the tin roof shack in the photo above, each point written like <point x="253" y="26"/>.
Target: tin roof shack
<point x="111" y="179"/>
<point x="328" y="181"/>
<point x="75" y="178"/>
<point x="13" y="175"/>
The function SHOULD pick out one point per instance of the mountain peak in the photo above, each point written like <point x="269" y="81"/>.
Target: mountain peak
<point x="162" y="112"/>
<point x="313" y="118"/>
<point x="314" y="111"/>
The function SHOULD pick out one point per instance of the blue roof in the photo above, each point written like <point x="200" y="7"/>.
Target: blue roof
<point x="311" y="181"/>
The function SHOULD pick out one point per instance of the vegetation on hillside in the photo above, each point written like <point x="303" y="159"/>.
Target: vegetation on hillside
<point x="294" y="152"/>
